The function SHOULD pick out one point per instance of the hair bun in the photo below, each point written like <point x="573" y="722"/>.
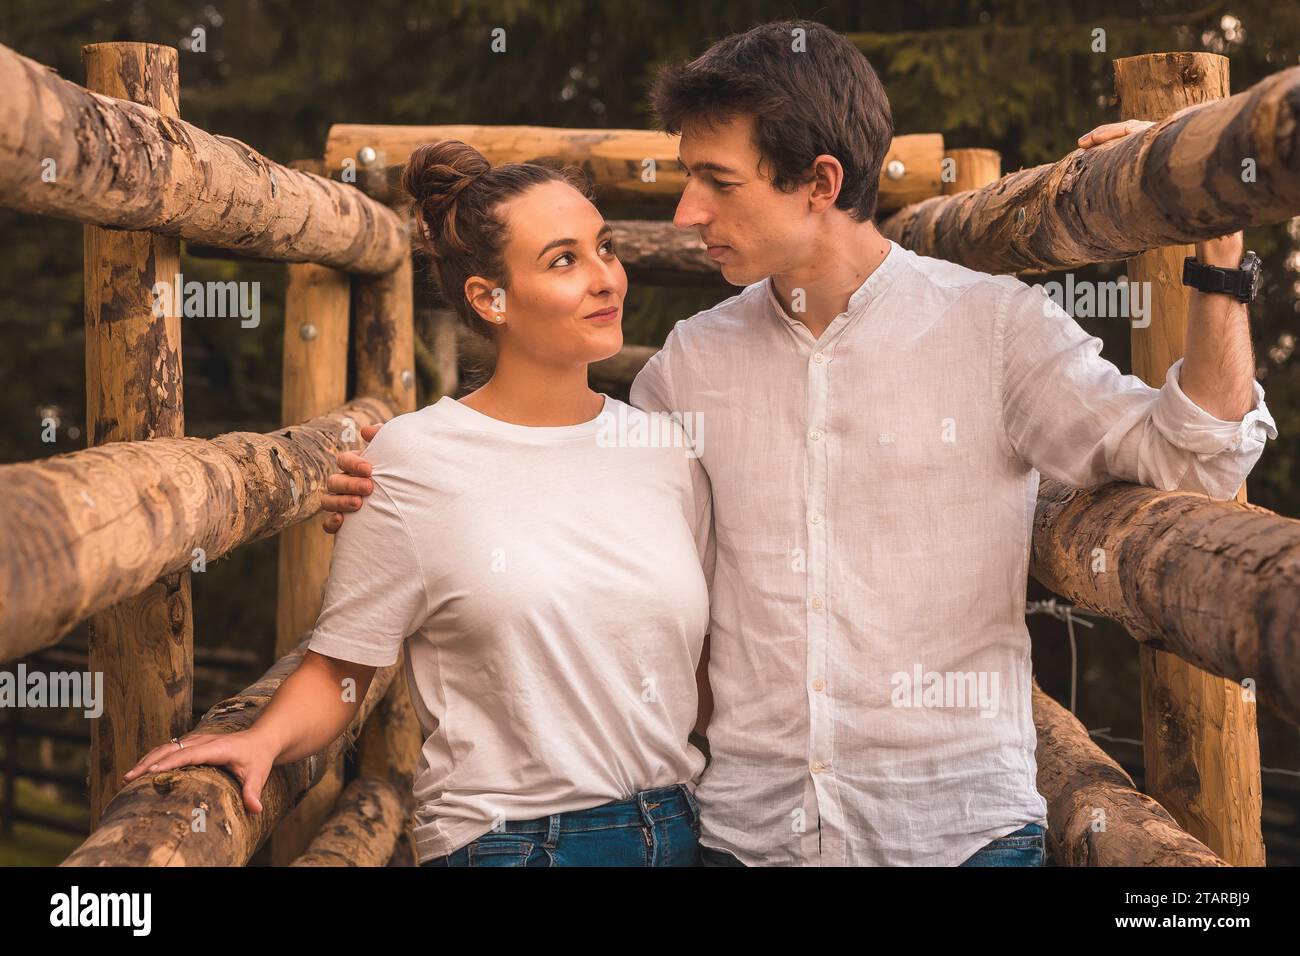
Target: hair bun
<point x="435" y="176"/>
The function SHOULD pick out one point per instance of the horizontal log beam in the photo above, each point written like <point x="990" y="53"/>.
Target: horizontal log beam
<point x="1095" y="815"/>
<point x="1215" y="582"/>
<point x="653" y="252"/>
<point x="658" y="253"/>
<point x="364" y="828"/>
<point x="150" y="822"/>
<point x="85" y="530"/>
<point x="614" y="159"/>
<point x="123" y="165"/>
<point x="1179" y="181"/>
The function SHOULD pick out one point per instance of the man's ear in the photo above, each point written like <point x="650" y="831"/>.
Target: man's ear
<point x="828" y="180"/>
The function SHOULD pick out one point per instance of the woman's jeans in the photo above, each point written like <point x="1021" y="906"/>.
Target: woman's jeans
<point x="654" y="828"/>
<point x="1022" y="848"/>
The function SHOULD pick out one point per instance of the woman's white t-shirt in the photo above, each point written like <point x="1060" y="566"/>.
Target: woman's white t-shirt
<point x="553" y="583"/>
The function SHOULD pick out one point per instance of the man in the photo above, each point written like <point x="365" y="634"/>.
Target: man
<point x="877" y="422"/>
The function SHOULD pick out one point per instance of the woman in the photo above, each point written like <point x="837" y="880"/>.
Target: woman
<point x="548" y="568"/>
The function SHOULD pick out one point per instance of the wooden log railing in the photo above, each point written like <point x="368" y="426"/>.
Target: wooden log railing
<point x="1215" y="582"/>
<point x="166" y="176"/>
<point x="365" y="829"/>
<point x="195" y="816"/>
<point x="624" y="165"/>
<point x="1095" y="815"/>
<point x="90" y="528"/>
<point x="1182" y="180"/>
<point x="96" y="526"/>
<point x="652" y="252"/>
<point x="99" y="527"/>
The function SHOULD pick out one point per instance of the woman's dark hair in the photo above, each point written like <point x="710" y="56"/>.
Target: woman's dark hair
<point x="809" y="90"/>
<point x="457" y="195"/>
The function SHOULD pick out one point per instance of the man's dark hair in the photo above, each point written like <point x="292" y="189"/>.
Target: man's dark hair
<point x="808" y="94"/>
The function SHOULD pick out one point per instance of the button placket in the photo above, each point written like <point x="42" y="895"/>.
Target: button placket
<point x="817" y="614"/>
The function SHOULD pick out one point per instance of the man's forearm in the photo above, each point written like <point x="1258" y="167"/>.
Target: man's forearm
<point x="1218" y="371"/>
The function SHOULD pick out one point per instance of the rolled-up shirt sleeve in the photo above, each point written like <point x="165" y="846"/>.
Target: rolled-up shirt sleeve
<point x="1076" y="418"/>
<point x="375" y="595"/>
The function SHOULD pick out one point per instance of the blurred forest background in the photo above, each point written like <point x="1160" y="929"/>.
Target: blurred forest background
<point x="1017" y="76"/>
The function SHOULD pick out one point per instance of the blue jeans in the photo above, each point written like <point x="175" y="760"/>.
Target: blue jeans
<point x="712" y="857"/>
<point x="1025" y="847"/>
<point x="654" y="828"/>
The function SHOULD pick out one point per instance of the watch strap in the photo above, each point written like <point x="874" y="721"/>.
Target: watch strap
<point x="1205" y="278"/>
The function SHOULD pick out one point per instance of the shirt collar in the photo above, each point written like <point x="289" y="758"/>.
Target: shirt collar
<point x="864" y="295"/>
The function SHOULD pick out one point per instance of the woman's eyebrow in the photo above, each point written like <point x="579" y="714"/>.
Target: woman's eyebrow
<point x="556" y="243"/>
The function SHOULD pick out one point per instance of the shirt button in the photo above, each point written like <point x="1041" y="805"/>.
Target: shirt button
<point x="818" y="358"/>
<point x="815" y="435"/>
<point x="815" y="518"/>
<point x="819" y="685"/>
<point x="816" y="603"/>
<point x="818" y="766"/>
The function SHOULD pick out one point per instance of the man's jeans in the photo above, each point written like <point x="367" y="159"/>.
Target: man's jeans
<point x="654" y="828"/>
<point x="712" y="857"/>
<point x="1025" y="847"/>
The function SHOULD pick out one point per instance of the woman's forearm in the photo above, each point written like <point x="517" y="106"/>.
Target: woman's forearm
<point x="313" y="706"/>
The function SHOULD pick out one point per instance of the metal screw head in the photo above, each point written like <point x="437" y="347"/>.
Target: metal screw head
<point x="367" y="155"/>
<point x="307" y="331"/>
<point x="407" y="379"/>
<point x="895" y="169"/>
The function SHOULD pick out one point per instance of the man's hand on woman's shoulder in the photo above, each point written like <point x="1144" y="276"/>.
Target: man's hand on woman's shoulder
<point x="348" y="486"/>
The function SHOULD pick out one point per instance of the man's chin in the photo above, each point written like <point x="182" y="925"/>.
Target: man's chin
<point x="738" y="275"/>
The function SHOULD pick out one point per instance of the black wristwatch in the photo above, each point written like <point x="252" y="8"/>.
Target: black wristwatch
<point x="1241" y="283"/>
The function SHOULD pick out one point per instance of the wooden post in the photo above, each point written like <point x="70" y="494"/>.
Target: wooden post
<point x="315" y="380"/>
<point x="383" y="349"/>
<point x="383" y="336"/>
<point x="971" y="169"/>
<point x="437" y="351"/>
<point x="144" y="645"/>
<point x="1200" y="736"/>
